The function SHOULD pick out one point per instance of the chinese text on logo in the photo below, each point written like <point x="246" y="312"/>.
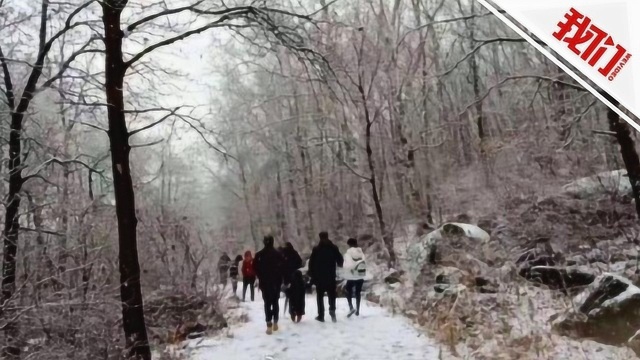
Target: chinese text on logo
<point x="594" y="45"/>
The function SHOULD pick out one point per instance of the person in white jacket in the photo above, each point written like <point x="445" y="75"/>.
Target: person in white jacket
<point x="354" y="272"/>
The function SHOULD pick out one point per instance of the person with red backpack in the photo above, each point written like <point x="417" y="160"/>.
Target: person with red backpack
<point x="248" y="275"/>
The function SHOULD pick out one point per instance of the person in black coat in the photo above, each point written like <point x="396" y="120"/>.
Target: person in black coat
<point x="325" y="258"/>
<point x="296" y="293"/>
<point x="224" y="263"/>
<point x="268" y="265"/>
<point x="292" y="262"/>
<point x="233" y="273"/>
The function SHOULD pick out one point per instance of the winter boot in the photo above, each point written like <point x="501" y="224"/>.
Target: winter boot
<point x="298" y="318"/>
<point x="351" y="312"/>
<point x="275" y="326"/>
<point x="293" y="318"/>
<point x="320" y="318"/>
<point x="269" y="328"/>
<point x="333" y="317"/>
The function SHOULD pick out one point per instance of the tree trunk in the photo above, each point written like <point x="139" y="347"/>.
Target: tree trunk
<point x="386" y="237"/>
<point x="11" y="228"/>
<point x="247" y="204"/>
<point x="12" y="216"/>
<point x="627" y="150"/>
<point x="294" y="200"/>
<point x="282" y="218"/>
<point x="130" y="292"/>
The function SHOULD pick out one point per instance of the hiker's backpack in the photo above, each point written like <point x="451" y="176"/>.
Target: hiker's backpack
<point x="360" y="270"/>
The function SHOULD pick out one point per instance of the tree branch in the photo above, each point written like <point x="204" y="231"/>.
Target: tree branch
<point x="171" y="113"/>
<point x="61" y="162"/>
<point x="152" y="17"/>
<point x="44" y="47"/>
<point x="218" y="23"/>
<point x="521" y="77"/>
<point x="147" y="144"/>
<point x="67" y="63"/>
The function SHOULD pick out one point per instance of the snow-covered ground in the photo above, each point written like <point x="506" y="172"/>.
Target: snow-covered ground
<point x="375" y="334"/>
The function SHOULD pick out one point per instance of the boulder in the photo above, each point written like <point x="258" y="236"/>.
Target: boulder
<point x="453" y="280"/>
<point x="608" y="311"/>
<point x="449" y="289"/>
<point x="482" y="281"/>
<point x="539" y="252"/>
<point x="558" y="278"/>
<point x="616" y="181"/>
<point x="437" y="246"/>
<point x="451" y="275"/>
<point x="393" y="277"/>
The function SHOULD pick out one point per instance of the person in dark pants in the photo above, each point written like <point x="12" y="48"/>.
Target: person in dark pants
<point x="268" y="266"/>
<point x="223" y="268"/>
<point x="248" y="275"/>
<point x="325" y="258"/>
<point x="354" y="273"/>
<point x="233" y="273"/>
<point x="292" y="262"/>
<point x="296" y="293"/>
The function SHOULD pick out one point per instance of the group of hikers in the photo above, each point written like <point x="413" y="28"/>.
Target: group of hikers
<point x="278" y="269"/>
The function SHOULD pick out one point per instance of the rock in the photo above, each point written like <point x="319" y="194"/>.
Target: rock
<point x="190" y="330"/>
<point x="440" y="288"/>
<point x="487" y="290"/>
<point x="539" y="252"/>
<point x="558" y="278"/>
<point x="437" y="246"/>
<point x="607" y="182"/>
<point x="449" y="289"/>
<point x="485" y="286"/>
<point x="393" y="277"/>
<point x="452" y="276"/>
<point x="608" y="311"/>
<point x="481" y="281"/>
<point x="195" y="331"/>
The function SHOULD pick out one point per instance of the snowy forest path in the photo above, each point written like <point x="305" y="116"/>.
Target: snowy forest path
<point x="375" y="334"/>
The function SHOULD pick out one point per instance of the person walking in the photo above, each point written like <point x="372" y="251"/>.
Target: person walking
<point x="292" y="262"/>
<point x="268" y="266"/>
<point x="296" y="293"/>
<point x="325" y="258"/>
<point x="223" y="268"/>
<point x="248" y="275"/>
<point x="354" y="272"/>
<point x="233" y="273"/>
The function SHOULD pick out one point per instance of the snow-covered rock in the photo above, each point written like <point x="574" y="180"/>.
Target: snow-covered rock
<point x="615" y="181"/>
<point x="608" y="311"/>
<point x="420" y="252"/>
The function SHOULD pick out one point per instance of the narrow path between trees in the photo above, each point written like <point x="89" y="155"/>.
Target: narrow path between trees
<point x="375" y="334"/>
